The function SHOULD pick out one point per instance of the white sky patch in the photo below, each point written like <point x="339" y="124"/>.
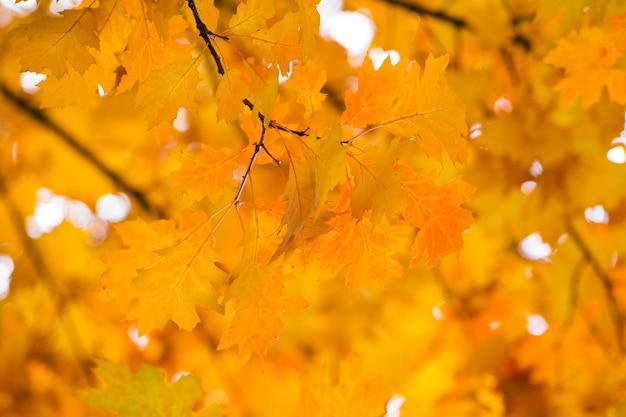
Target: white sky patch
<point x="536" y="169"/>
<point x="58" y="6"/>
<point x="352" y="30"/>
<point x="52" y="209"/>
<point x="101" y="91"/>
<point x="596" y="214"/>
<point x="141" y="341"/>
<point x="179" y="375"/>
<point x="527" y="187"/>
<point x="113" y="207"/>
<point x="181" y="123"/>
<point x="49" y="213"/>
<point x="475" y="131"/>
<point x="9" y="9"/>
<point x="29" y="81"/>
<point x="494" y="324"/>
<point x="394" y="404"/>
<point x="536" y="324"/>
<point x="502" y="105"/>
<point x="6" y="269"/>
<point x="438" y="312"/>
<point x="617" y="155"/>
<point x="79" y="214"/>
<point x="378" y="56"/>
<point x="533" y="247"/>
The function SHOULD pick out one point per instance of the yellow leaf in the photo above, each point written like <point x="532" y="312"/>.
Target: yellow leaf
<point x="259" y="304"/>
<point x="209" y="174"/>
<point x="142" y="393"/>
<point x="435" y="210"/>
<point x="591" y="60"/>
<point x="165" y="91"/>
<point x="57" y="44"/>
<point x="172" y="270"/>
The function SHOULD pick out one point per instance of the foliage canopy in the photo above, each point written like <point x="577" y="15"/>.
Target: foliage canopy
<point x="436" y="224"/>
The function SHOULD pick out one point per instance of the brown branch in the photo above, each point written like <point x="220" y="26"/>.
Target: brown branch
<point x="613" y="305"/>
<point x="42" y="271"/>
<point x="460" y="23"/>
<point x="207" y="35"/>
<point x="436" y="14"/>
<point x="79" y="148"/>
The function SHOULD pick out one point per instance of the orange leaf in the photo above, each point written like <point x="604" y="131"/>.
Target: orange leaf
<point x="590" y="58"/>
<point x="411" y="104"/>
<point x="209" y="174"/>
<point x="172" y="270"/>
<point x="436" y="211"/>
<point x="259" y="303"/>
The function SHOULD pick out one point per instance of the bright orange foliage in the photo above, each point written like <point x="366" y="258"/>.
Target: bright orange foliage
<point x="212" y="208"/>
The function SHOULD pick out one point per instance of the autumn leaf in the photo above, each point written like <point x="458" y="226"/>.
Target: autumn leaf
<point x="206" y="175"/>
<point x="172" y="270"/>
<point x="256" y="215"/>
<point x="369" y="253"/>
<point x="411" y="103"/>
<point x="259" y="304"/>
<point x="182" y="81"/>
<point x="57" y="44"/>
<point x="144" y="392"/>
<point x="435" y="210"/>
<point x="591" y="59"/>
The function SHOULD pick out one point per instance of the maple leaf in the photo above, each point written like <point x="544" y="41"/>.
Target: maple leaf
<point x="180" y="81"/>
<point x="435" y="210"/>
<point x="376" y="184"/>
<point x="410" y="104"/>
<point x="367" y="252"/>
<point x="57" y="44"/>
<point x="259" y="303"/>
<point x="206" y="175"/>
<point x="172" y="269"/>
<point x="142" y="393"/>
<point x="591" y="62"/>
<point x="310" y="182"/>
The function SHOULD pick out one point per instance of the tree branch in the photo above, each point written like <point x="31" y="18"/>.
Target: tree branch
<point x="436" y="14"/>
<point x="460" y="23"/>
<point x="37" y="259"/>
<point x="207" y="35"/>
<point x="79" y="148"/>
<point x="613" y="306"/>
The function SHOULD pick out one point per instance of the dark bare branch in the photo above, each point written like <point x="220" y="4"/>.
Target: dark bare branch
<point x="207" y="36"/>
<point x="609" y="290"/>
<point x="79" y="148"/>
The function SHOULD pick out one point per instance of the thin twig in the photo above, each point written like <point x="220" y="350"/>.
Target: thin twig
<point x="79" y="148"/>
<point x="274" y="124"/>
<point x="207" y="35"/>
<point x="613" y="305"/>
